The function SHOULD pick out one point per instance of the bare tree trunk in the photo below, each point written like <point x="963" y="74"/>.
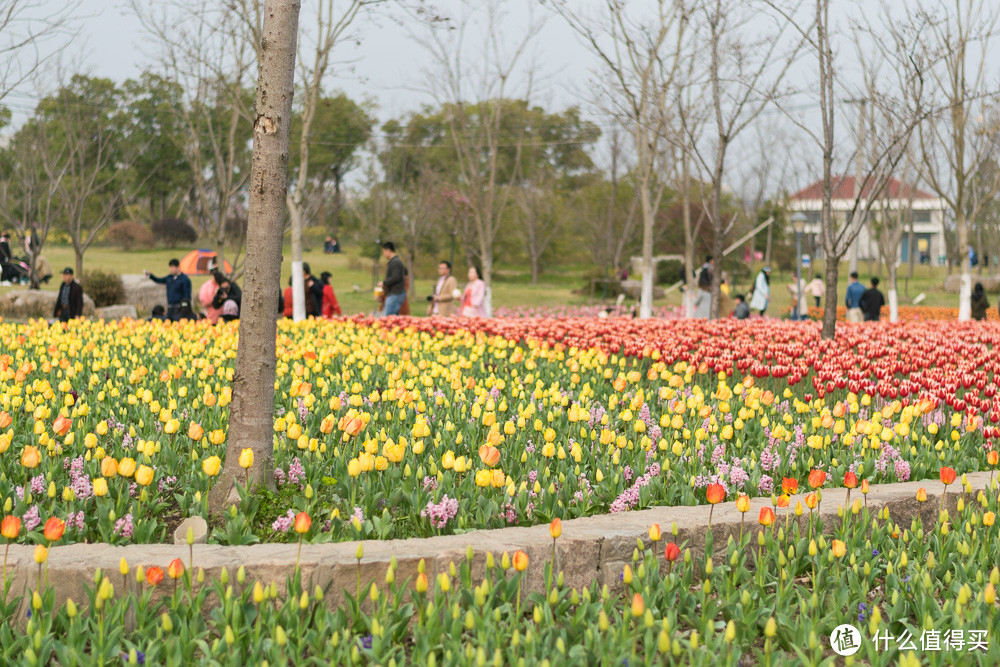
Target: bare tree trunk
<point x="251" y="416"/>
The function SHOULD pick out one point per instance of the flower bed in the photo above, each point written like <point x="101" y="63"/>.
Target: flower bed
<point x="778" y="592"/>
<point x="415" y="427"/>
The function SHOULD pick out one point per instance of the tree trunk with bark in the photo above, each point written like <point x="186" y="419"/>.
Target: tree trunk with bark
<point x="251" y="415"/>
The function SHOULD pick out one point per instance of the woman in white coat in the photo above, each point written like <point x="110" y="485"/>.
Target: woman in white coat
<point x="761" y="291"/>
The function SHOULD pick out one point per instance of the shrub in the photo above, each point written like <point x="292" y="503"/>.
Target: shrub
<point x="129" y="235"/>
<point x="173" y="232"/>
<point x="104" y="287"/>
<point x="669" y="271"/>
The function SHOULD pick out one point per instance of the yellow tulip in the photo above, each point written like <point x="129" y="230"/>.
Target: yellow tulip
<point x="211" y="466"/>
<point x="246" y="458"/>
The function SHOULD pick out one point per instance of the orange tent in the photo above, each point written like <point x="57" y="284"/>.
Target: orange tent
<point x="197" y="263"/>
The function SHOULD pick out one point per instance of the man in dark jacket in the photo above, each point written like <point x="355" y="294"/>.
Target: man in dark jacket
<point x="394" y="284"/>
<point x="69" y="302"/>
<point x="872" y="302"/>
<point x="314" y="291"/>
<point x="178" y="288"/>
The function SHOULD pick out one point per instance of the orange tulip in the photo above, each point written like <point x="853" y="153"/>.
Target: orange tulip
<point x="817" y="478"/>
<point x="766" y="517"/>
<point x="638" y="605"/>
<point x="520" y="561"/>
<point x="789" y="485"/>
<point x="716" y="493"/>
<point x="993" y="457"/>
<point x="555" y="528"/>
<point x="109" y="467"/>
<point x="154" y="575"/>
<point x="62" y="425"/>
<point x="850" y="480"/>
<point x="811" y="501"/>
<point x="54" y="529"/>
<point x="947" y="475"/>
<point x="489" y="455"/>
<point x="5" y="419"/>
<point x="30" y="457"/>
<point x="921" y="495"/>
<point x="10" y="528"/>
<point x="175" y="569"/>
<point x="654" y="532"/>
<point x="195" y="431"/>
<point x="864" y="486"/>
<point x="302" y="523"/>
<point x="838" y="548"/>
<point x="671" y="552"/>
<point x="783" y="500"/>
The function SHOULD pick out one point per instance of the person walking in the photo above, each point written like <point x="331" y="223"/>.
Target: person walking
<point x="761" y="291"/>
<point x="474" y="295"/>
<point x="872" y="302"/>
<point x="442" y="302"/>
<point x="394" y="283"/>
<point x="980" y="304"/>
<point x="69" y="302"/>
<point x="853" y="298"/>
<point x="178" y="288"/>
<point x="816" y="289"/>
<point x="330" y="305"/>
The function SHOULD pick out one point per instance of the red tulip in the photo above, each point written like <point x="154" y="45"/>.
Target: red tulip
<point x="671" y="551"/>
<point x="850" y="480"/>
<point x="947" y="475"/>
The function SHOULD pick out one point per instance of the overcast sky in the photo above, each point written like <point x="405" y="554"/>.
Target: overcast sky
<point x="387" y="67"/>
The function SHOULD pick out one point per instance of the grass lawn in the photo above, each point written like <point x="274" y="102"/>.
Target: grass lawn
<point x="353" y="279"/>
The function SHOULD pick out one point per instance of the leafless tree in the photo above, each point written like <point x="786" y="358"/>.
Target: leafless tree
<point x="742" y="76"/>
<point x="209" y="51"/>
<point x="837" y="233"/>
<point x="641" y="54"/>
<point x="474" y="95"/>
<point x="954" y="142"/>
<point x="31" y="32"/>
<point x="332" y="25"/>
<point x="29" y="194"/>
<point x="251" y="414"/>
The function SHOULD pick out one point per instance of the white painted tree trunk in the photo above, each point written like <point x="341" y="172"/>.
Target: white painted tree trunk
<point x="688" y="309"/>
<point x="965" y="294"/>
<point x="893" y="305"/>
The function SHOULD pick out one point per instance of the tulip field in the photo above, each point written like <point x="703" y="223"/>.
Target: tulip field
<point x="422" y="427"/>
<point x="114" y="432"/>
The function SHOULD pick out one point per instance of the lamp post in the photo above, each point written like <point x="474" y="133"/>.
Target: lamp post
<point x="798" y="224"/>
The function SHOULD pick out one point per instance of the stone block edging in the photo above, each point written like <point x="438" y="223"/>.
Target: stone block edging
<point x="590" y="548"/>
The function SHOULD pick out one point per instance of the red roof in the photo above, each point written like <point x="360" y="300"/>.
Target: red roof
<point x="843" y="188"/>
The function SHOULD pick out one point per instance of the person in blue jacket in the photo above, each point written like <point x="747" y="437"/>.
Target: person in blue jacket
<point x="853" y="299"/>
<point x="178" y="289"/>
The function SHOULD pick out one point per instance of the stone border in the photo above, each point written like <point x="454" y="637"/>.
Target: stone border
<point x="590" y="548"/>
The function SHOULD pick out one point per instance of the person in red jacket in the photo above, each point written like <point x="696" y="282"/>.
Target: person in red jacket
<point x="330" y="305"/>
<point x="289" y="305"/>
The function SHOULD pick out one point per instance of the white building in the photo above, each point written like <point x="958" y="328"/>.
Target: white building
<point x="928" y="219"/>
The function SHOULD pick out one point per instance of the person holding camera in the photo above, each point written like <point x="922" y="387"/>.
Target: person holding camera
<point x="442" y="302"/>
